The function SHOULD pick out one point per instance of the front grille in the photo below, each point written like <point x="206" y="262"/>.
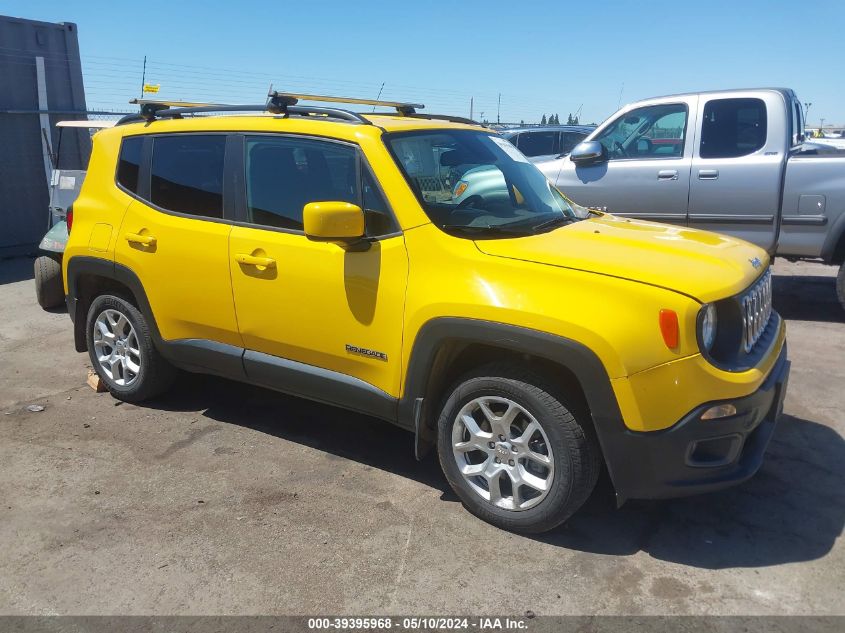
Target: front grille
<point x="756" y="305"/>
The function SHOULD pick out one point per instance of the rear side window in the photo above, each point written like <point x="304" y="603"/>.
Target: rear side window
<point x="129" y="163"/>
<point x="285" y="174"/>
<point x="537" y="143"/>
<point x="733" y="128"/>
<point x="187" y="174"/>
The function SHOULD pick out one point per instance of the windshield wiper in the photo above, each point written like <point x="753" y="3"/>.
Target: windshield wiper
<point x="487" y="229"/>
<point x="557" y="221"/>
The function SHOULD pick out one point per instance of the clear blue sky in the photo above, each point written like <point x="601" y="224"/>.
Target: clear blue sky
<point x="543" y="57"/>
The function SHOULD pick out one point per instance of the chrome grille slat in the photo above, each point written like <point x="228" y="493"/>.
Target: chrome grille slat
<point x="756" y="305"/>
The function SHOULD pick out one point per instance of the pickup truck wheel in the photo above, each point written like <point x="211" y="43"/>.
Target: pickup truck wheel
<point x="840" y="285"/>
<point x="49" y="287"/>
<point x="513" y="452"/>
<point x="122" y="352"/>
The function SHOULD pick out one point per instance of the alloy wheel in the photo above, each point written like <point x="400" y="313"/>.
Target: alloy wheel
<point x="503" y="453"/>
<point x="116" y="348"/>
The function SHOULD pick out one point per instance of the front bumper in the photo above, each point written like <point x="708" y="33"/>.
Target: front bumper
<point x="694" y="455"/>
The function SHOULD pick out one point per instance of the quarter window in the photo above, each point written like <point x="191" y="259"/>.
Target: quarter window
<point x="733" y="128"/>
<point x="187" y="174"/>
<point x="657" y="131"/>
<point x="283" y="175"/>
<point x="129" y="163"/>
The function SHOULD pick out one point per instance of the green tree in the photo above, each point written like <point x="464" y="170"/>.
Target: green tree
<point x="543" y="120"/>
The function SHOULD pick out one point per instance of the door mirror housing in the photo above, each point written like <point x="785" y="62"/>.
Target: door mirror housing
<point x="333" y="221"/>
<point x="588" y="153"/>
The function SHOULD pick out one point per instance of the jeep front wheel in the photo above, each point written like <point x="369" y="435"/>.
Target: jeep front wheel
<point x="122" y="352"/>
<point x="514" y="453"/>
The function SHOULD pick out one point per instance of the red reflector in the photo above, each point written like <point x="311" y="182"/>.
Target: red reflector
<point x="69" y="219"/>
<point x="669" y="328"/>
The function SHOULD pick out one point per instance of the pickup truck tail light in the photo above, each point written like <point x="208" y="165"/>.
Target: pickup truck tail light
<point x="69" y="218"/>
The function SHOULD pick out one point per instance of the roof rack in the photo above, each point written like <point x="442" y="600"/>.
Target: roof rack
<point x="290" y="98"/>
<point x="285" y="104"/>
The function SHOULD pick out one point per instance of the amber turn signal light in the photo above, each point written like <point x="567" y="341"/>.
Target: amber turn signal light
<point x="669" y="328"/>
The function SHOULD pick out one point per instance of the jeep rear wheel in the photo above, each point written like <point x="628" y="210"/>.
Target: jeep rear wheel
<point x="122" y="352"/>
<point x="513" y="452"/>
<point x="840" y="285"/>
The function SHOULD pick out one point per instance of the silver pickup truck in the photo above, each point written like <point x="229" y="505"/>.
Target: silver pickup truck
<point x="732" y="161"/>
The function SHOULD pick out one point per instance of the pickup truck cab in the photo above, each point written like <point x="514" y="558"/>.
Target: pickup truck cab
<point x="323" y="253"/>
<point x="732" y="161"/>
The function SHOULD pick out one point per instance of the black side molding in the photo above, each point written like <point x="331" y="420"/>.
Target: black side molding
<point x="316" y="383"/>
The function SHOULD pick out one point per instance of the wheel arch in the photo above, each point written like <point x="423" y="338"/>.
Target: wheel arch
<point x="445" y="348"/>
<point x="88" y="277"/>
<point x="834" y="248"/>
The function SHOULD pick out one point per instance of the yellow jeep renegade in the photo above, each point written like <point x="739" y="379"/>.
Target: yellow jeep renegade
<point x="420" y="269"/>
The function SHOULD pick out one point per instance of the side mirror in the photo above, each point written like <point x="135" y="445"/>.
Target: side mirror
<point x="588" y="153"/>
<point x="333" y="221"/>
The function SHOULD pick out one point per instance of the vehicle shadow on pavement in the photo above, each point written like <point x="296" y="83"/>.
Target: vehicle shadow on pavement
<point x="337" y="432"/>
<point x="807" y="298"/>
<point x="16" y="269"/>
<point x="792" y="510"/>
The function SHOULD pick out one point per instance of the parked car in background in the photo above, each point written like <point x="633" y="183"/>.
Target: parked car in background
<point x="547" y="141"/>
<point x="65" y="185"/>
<point x="733" y="161"/>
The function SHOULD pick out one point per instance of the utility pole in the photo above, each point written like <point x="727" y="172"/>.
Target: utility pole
<point x="470" y="108"/>
<point x="499" y="109"/>
<point x="143" y="76"/>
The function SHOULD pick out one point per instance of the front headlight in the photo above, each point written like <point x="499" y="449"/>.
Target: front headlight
<point x="707" y="326"/>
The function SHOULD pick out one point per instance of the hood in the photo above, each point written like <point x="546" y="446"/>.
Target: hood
<point x="706" y="266"/>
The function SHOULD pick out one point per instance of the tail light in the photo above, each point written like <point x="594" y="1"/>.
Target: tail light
<point x="69" y="218"/>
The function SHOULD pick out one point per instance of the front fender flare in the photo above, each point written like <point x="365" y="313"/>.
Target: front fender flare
<point x="449" y="334"/>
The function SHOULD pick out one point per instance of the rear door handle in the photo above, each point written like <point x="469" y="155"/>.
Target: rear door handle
<point x="708" y="174"/>
<point x="667" y="174"/>
<point x="136" y="238"/>
<point x="254" y="260"/>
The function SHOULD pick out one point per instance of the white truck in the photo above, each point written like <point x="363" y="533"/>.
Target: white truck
<point x="732" y="161"/>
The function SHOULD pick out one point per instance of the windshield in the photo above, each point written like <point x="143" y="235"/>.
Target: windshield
<point x="471" y="182"/>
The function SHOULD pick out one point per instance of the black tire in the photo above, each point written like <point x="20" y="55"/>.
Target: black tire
<point x="571" y="441"/>
<point x="840" y="285"/>
<point x="49" y="287"/>
<point x="155" y="374"/>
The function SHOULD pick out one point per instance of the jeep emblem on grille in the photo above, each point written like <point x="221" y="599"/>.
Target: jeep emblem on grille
<point x="756" y="262"/>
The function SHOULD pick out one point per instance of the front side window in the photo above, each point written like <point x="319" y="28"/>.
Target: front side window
<point x="649" y="132"/>
<point x="187" y="174"/>
<point x="732" y="128"/>
<point x="537" y="143"/>
<point x="284" y="174"/>
<point x="568" y="140"/>
<point x="477" y="184"/>
<point x="129" y="163"/>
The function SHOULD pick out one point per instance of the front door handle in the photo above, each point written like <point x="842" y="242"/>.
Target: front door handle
<point x="667" y="174"/>
<point x="708" y="174"/>
<point x="254" y="260"/>
<point x="137" y="238"/>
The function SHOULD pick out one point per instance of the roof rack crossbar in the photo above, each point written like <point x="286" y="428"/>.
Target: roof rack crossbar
<point x="284" y="99"/>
